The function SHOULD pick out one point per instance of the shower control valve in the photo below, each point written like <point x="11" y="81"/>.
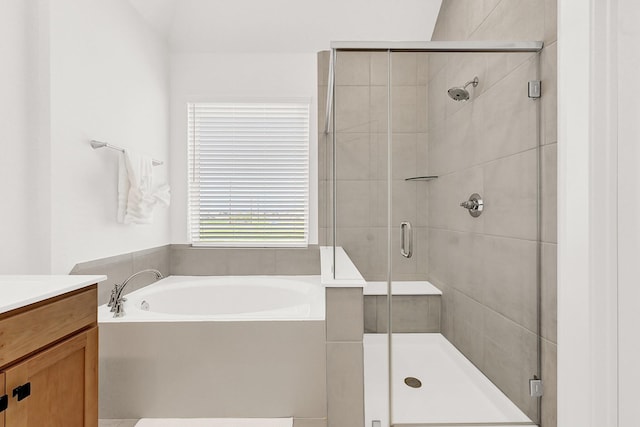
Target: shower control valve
<point x="474" y="205"/>
<point x="469" y="204"/>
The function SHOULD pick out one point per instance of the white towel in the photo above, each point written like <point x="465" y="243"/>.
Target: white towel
<point x="137" y="196"/>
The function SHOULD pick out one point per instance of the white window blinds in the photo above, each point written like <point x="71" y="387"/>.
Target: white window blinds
<point x="249" y="174"/>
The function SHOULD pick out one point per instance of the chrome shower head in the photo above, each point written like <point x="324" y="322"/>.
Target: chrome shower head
<point x="461" y="93"/>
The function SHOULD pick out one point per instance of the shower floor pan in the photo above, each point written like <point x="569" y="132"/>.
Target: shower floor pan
<point x="453" y="390"/>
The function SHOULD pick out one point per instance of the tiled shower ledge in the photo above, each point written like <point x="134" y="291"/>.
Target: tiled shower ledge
<point x="349" y="276"/>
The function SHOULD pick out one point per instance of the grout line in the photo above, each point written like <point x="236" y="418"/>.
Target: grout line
<point x="475" y="233"/>
<point x="484" y="234"/>
<point x="549" y="342"/>
<point x="485" y="19"/>
<point x="486" y="163"/>
<point x="510" y="320"/>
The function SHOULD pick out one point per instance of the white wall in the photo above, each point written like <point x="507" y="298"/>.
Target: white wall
<point x="599" y="227"/>
<point x="288" y="26"/>
<point x="25" y="232"/>
<point x="72" y="71"/>
<point x="109" y="81"/>
<point x="14" y="138"/>
<point x="628" y="208"/>
<point x="210" y="77"/>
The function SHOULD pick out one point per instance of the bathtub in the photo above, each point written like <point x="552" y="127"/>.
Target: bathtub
<point x="216" y="347"/>
<point x="224" y="298"/>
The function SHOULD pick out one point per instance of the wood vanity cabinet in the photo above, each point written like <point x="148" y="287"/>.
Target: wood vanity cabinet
<point x="49" y="362"/>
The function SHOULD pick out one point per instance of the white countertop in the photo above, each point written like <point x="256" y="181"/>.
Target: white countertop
<point x="19" y="291"/>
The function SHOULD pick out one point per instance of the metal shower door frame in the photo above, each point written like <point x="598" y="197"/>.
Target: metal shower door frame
<point x="418" y="47"/>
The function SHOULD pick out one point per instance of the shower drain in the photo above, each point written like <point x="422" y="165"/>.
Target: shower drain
<point x="413" y="382"/>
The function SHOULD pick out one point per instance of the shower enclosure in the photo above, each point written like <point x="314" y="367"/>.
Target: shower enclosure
<point x="430" y="171"/>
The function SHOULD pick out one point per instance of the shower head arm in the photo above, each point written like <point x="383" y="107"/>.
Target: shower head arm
<point x="473" y="82"/>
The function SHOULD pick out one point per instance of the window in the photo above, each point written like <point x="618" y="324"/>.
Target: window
<point x="249" y="174"/>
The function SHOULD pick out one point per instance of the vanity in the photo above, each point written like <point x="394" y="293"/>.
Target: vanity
<point x="48" y="351"/>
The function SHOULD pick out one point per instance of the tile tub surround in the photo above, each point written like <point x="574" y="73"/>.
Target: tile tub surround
<point x="203" y="261"/>
<point x="492" y="324"/>
<point x="230" y="369"/>
<point x="197" y="261"/>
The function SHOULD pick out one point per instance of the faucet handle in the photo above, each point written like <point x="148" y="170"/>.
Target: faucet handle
<point x="117" y="302"/>
<point x="469" y="204"/>
<point x="112" y="298"/>
<point x="475" y="205"/>
<point x="118" y="309"/>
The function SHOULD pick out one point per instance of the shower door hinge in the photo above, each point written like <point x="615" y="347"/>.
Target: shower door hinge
<point x="535" y="89"/>
<point x="535" y="387"/>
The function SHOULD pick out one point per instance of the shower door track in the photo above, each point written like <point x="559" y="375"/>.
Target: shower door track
<point x="441" y="46"/>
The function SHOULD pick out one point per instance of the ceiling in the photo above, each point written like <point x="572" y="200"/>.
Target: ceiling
<point x="285" y="26"/>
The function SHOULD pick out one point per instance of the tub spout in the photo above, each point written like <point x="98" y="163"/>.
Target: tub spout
<point x="117" y="300"/>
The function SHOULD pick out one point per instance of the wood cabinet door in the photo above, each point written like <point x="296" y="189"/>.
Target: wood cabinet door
<point x="2" y="393"/>
<point x="64" y="385"/>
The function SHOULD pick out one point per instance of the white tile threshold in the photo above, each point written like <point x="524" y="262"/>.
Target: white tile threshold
<point x="215" y="422"/>
<point x="454" y="392"/>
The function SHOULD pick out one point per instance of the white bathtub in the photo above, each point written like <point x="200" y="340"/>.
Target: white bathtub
<point x="216" y="347"/>
<point x="224" y="298"/>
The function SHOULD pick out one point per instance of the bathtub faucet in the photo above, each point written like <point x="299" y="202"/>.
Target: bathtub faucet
<point x="116" y="300"/>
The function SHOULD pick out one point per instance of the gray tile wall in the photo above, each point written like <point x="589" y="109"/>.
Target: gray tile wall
<point x="486" y="268"/>
<point x="362" y="165"/>
<point x="345" y="364"/>
<point x="198" y="261"/>
<point x="411" y="313"/>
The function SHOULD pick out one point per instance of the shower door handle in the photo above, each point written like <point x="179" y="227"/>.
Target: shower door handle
<point x="406" y="239"/>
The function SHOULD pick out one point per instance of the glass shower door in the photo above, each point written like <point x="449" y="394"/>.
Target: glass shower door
<point x="361" y="211"/>
<point x="464" y="197"/>
<point x="359" y="170"/>
<point x="431" y="184"/>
